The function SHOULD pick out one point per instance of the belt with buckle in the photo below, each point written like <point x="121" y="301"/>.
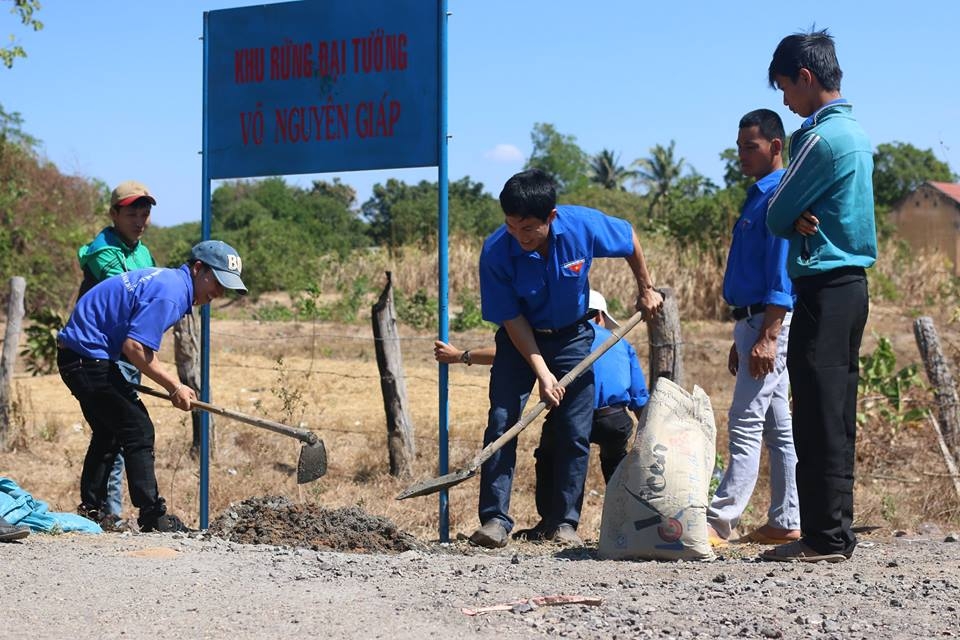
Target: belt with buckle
<point x="748" y="312"/>
<point x="592" y="313"/>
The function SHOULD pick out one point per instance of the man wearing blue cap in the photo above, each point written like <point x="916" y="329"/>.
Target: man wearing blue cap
<point x="127" y="315"/>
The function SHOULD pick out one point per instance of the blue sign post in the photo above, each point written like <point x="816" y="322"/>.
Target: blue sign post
<point x="312" y="87"/>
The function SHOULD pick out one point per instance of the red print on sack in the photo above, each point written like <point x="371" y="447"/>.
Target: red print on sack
<point x="576" y="266"/>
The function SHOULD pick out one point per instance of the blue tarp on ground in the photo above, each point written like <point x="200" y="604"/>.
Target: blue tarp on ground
<point x="19" y="507"/>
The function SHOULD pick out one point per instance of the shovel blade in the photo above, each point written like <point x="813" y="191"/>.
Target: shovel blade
<point x="313" y="462"/>
<point x="432" y="485"/>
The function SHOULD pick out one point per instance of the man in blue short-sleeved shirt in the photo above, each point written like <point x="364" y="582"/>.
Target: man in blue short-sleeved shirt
<point x="534" y="284"/>
<point x="619" y="387"/>
<point x="127" y="315"/>
<point x="758" y="288"/>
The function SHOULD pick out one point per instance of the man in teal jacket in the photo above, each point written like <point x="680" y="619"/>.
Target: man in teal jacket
<point x="824" y="207"/>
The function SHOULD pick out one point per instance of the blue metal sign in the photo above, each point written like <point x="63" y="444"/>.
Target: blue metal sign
<point x="317" y="86"/>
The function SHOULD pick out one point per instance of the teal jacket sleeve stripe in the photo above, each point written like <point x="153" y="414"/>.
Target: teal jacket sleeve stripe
<point x="802" y="185"/>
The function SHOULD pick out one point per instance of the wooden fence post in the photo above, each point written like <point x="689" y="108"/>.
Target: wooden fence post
<point x="186" y="348"/>
<point x="400" y="445"/>
<point x="944" y="387"/>
<point x="11" y="339"/>
<point x="666" y="345"/>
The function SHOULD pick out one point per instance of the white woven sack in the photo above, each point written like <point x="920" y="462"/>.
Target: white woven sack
<point x="656" y="502"/>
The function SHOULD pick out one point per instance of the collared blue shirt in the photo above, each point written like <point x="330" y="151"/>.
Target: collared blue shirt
<point x="140" y="304"/>
<point x="617" y="377"/>
<point x="757" y="264"/>
<point x="550" y="292"/>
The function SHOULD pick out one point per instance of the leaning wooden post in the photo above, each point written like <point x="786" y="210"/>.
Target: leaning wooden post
<point x="944" y="387"/>
<point x="186" y="350"/>
<point x="666" y="346"/>
<point x="11" y="339"/>
<point x="400" y="445"/>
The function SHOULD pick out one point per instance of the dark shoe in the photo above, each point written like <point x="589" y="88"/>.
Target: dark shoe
<point x="167" y="523"/>
<point x="114" y="524"/>
<point x="536" y="533"/>
<point x="10" y="532"/>
<point x="798" y="551"/>
<point x="566" y="535"/>
<point x="108" y="522"/>
<point x="491" y="535"/>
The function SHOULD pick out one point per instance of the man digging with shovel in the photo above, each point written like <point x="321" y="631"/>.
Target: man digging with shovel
<point x="534" y="284"/>
<point x="128" y="314"/>
<point x="619" y="386"/>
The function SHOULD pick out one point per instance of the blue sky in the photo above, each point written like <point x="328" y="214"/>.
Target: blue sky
<point x="113" y="88"/>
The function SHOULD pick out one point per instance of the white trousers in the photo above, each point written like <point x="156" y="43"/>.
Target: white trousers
<point x="759" y="412"/>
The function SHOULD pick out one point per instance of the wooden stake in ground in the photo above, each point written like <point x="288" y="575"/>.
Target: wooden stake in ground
<point x="11" y="340"/>
<point x="400" y="445"/>
<point x="666" y="345"/>
<point x="186" y="349"/>
<point x="944" y="387"/>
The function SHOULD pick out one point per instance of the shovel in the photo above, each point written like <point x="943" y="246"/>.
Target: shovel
<point x="313" y="455"/>
<point x="426" y="487"/>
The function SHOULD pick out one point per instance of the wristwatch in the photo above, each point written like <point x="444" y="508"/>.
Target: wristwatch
<point x="465" y="358"/>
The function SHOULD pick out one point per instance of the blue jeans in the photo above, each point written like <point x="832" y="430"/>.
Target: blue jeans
<point x="511" y="380"/>
<point x="759" y="414"/>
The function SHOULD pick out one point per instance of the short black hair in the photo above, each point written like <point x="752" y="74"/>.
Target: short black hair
<point x="813" y="51"/>
<point x="529" y="194"/>
<point x="767" y="122"/>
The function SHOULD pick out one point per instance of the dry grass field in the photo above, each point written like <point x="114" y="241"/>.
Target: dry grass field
<point x="324" y="376"/>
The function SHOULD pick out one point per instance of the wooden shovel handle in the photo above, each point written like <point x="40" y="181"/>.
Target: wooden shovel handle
<point x="300" y="434"/>
<point x="572" y="375"/>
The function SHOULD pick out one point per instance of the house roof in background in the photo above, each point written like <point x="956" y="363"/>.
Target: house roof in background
<point x="949" y="189"/>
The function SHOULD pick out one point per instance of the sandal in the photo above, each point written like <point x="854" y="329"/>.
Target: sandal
<point x="757" y="536"/>
<point x="797" y="551"/>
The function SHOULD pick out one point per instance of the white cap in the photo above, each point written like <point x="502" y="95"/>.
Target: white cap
<point x="599" y="303"/>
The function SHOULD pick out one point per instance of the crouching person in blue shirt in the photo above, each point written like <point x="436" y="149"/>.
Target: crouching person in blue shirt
<point x="127" y="315"/>
<point x="534" y="284"/>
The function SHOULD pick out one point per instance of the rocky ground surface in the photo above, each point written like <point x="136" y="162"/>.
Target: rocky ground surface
<point x="269" y="568"/>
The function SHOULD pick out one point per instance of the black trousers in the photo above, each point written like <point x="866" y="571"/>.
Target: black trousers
<point x="120" y="423"/>
<point x="823" y="362"/>
<point x="611" y="431"/>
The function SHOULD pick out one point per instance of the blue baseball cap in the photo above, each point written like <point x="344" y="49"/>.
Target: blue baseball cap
<point x="224" y="261"/>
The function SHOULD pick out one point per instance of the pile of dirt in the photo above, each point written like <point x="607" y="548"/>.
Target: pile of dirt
<point x="275" y="520"/>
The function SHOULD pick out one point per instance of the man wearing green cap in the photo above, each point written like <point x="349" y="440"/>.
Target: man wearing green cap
<point x="127" y="315"/>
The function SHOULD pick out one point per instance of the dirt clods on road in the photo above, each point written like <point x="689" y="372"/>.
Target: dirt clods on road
<point x="275" y="520"/>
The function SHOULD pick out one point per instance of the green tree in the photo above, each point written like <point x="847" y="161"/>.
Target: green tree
<point x="659" y="173"/>
<point x="400" y="214"/>
<point x="620" y="204"/>
<point x="337" y="191"/>
<point x="899" y="168"/>
<point x="288" y="232"/>
<point x="732" y="173"/>
<point x="606" y="171"/>
<point x="24" y="9"/>
<point x="559" y="156"/>
<point x="44" y="216"/>
<point x="699" y="215"/>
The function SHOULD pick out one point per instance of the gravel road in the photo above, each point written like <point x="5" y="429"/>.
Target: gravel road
<point x="199" y="586"/>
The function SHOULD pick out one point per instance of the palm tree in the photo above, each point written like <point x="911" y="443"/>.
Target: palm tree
<point x="659" y="173"/>
<point x="606" y="171"/>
